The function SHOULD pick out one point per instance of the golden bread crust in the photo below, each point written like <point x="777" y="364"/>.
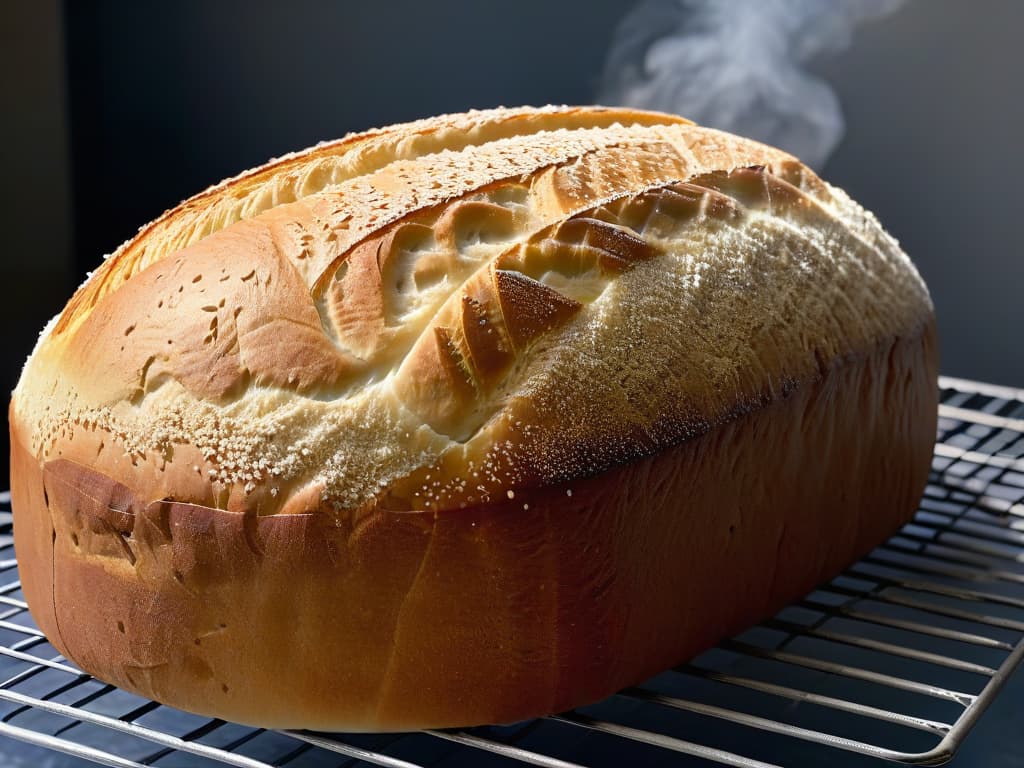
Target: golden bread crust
<point x="341" y="399"/>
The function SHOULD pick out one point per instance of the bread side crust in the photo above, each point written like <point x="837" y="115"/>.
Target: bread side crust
<point x="551" y="599"/>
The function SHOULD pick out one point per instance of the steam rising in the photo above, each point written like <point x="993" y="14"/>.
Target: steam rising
<point x="739" y="66"/>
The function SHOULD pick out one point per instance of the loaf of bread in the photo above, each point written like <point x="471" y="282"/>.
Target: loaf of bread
<point x="467" y="420"/>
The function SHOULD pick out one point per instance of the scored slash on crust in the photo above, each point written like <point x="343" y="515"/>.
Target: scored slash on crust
<point x="451" y="375"/>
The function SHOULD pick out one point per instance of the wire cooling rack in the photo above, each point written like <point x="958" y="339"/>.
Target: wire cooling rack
<point x="895" y="659"/>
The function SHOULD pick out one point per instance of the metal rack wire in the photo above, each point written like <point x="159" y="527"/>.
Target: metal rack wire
<point x="896" y="659"/>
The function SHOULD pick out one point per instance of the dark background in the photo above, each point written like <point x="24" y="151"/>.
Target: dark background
<point x="115" y="111"/>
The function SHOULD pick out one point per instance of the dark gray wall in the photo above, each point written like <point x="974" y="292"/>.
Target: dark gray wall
<point x="35" y="208"/>
<point x="935" y="116"/>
